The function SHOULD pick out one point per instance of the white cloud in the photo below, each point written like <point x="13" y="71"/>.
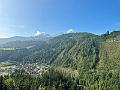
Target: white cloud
<point x="39" y="33"/>
<point x="70" y="31"/>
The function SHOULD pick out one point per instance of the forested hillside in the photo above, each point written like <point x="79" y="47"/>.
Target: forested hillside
<point x="75" y="50"/>
<point x="94" y="59"/>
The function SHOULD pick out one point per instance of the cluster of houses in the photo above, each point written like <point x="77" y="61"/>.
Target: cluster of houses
<point x="33" y="69"/>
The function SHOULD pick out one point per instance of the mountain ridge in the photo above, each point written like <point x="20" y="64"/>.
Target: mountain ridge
<point x="22" y="38"/>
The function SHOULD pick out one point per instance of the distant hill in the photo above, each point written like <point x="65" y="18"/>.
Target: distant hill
<point x="22" y="42"/>
<point x="42" y="37"/>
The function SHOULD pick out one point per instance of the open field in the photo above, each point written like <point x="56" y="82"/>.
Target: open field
<point x="7" y="49"/>
<point x="7" y="67"/>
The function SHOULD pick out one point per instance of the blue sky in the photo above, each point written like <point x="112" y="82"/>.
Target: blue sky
<point x="26" y="17"/>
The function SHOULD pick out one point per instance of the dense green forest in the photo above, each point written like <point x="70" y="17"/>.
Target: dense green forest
<point x="95" y="58"/>
<point x="55" y="80"/>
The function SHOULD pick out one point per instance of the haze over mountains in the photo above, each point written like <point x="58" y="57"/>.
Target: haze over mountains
<point x="20" y="39"/>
